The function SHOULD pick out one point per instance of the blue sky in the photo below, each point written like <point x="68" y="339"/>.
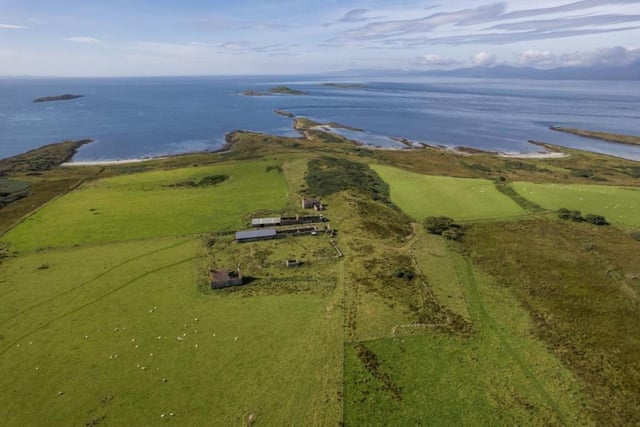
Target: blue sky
<point x="196" y="37"/>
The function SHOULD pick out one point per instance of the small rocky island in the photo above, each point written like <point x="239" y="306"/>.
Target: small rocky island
<point x="65" y="97"/>
<point x="278" y="90"/>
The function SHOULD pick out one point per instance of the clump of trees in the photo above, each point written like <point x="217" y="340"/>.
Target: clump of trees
<point x="443" y="226"/>
<point x="576" y="216"/>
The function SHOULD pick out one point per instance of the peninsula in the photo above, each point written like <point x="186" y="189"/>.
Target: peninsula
<point x="603" y="136"/>
<point x="64" y="97"/>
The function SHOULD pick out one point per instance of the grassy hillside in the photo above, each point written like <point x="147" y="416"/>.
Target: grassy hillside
<point x="80" y="344"/>
<point x="463" y="199"/>
<point x="107" y="317"/>
<point x="618" y="205"/>
<point x="152" y="205"/>
<point x="579" y="283"/>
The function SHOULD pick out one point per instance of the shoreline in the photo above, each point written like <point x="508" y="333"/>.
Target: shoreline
<point x="114" y="162"/>
<point x="552" y="153"/>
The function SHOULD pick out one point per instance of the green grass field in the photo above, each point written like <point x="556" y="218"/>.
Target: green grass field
<point x="500" y="374"/>
<point x="619" y="205"/>
<point x="112" y="322"/>
<point x="79" y="344"/>
<point x="144" y="205"/>
<point x="459" y="198"/>
<point x="106" y="315"/>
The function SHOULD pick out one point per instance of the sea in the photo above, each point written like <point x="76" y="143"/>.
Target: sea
<point x="135" y="118"/>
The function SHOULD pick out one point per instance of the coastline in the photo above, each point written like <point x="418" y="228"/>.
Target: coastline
<point x="553" y="152"/>
<point x="113" y="162"/>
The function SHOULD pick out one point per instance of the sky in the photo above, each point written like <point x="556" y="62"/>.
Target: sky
<point x="198" y="37"/>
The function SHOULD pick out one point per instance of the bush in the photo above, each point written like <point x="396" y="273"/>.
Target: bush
<point x="595" y="219"/>
<point x="438" y="224"/>
<point x="570" y="215"/>
<point x="576" y="216"/>
<point x="453" y="234"/>
<point x="403" y="273"/>
<point x="635" y="235"/>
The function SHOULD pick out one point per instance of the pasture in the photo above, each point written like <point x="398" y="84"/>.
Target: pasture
<point x="421" y="196"/>
<point x="499" y="374"/>
<point x="150" y="204"/>
<point x="619" y="205"/>
<point x="130" y="339"/>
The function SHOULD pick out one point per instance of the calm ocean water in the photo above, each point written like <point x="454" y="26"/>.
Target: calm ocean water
<point x="141" y="117"/>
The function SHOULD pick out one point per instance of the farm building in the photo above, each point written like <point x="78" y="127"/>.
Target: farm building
<point x="265" y="222"/>
<point x="312" y="204"/>
<point x="287" y="220"/>
<point x="223" y="278"/>
<point x="255" y="235"/>
<point x="302" y="219"/>
<point x="292" y="263"/>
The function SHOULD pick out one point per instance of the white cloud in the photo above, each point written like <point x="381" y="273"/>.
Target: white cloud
<point x="608" y="56"/>
<point x="431" y="59"/>
<point x="484" y="59"/>
<point x="83" y="39"/>
<point x="12" y="27"/>
<point x="533" y="57"/>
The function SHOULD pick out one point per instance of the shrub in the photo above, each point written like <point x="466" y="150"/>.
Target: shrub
<point x="453" y="234"/>
<point x="570" y="215"/>
<point x="635" y="235"/>
<point x="403" y="273"/>
<point x="595" y="219"/>
<point x="439" y="224"/>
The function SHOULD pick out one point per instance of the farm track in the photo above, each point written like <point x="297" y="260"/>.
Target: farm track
<point x="95" y="300"/>
<point x="99" y="276"/>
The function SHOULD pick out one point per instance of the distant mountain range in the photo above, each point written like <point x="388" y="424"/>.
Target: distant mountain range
<point x="624" y="72"/>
